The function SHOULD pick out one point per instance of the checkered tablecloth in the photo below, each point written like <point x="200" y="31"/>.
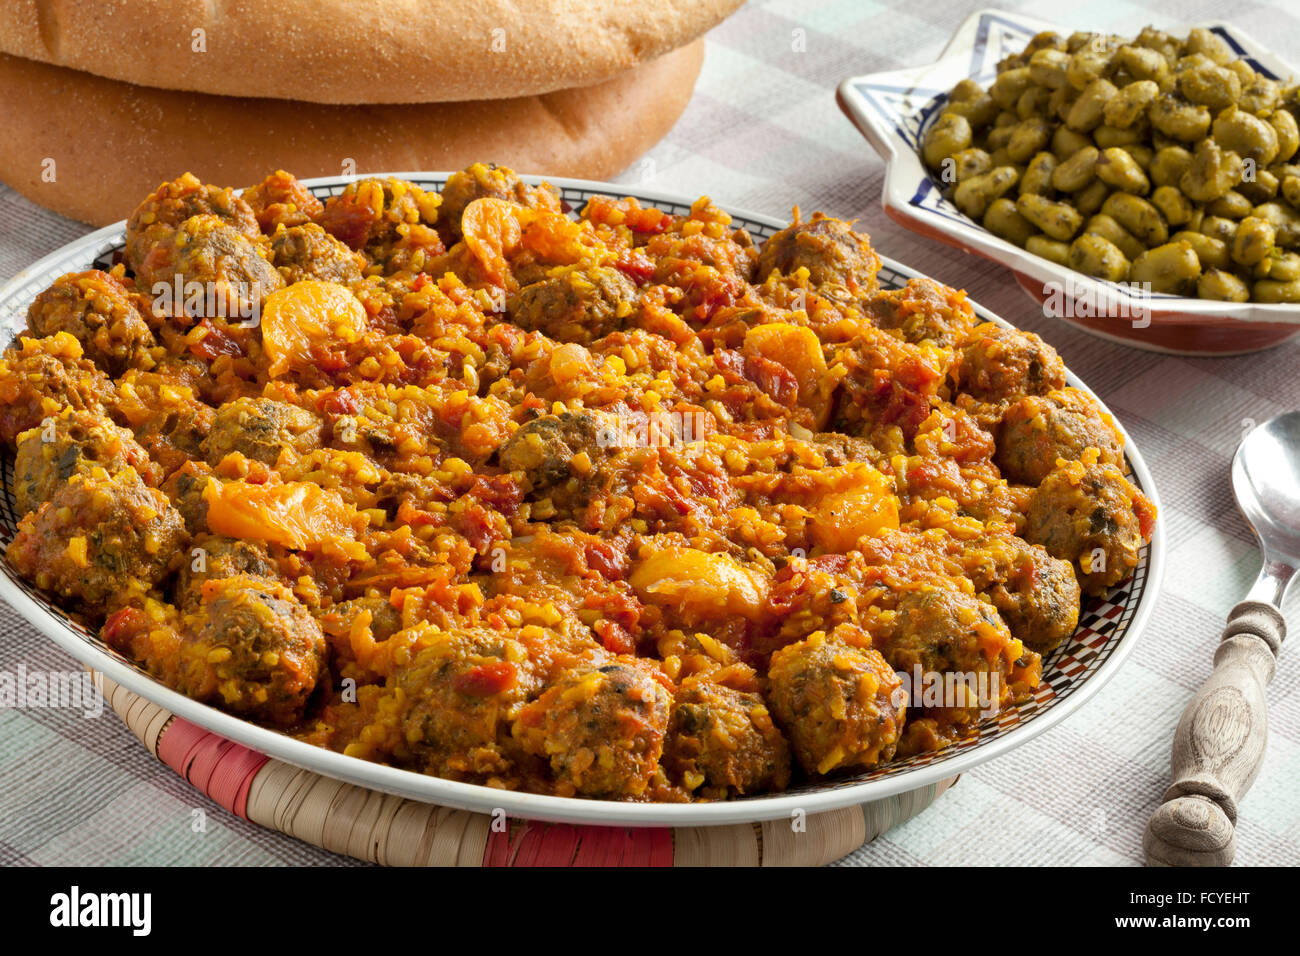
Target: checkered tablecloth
<point x="763" y="133"/>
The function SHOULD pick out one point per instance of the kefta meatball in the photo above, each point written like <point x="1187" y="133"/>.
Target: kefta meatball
<point x="1001" y="365"/>
<point x="263" y="650"/>
<point x="220" y="272"/>
<point x="100" y="313"/>
<point x="579" y="305"/>
<point x="369" y="213"/>
<point x="460" y="691"/>
<point x="834" y="255"/>
<point x="722" y="742"/>
<point x="601" y="730"/>
<point x="1036" y="594"/>
<point x="309" y="252"/>
<point x="545" y="448"/>
<point x="211" y="557"/>
<point x="43" y="377"/>
<point x="282" y="200"/>
<point x="102" y="540"/>
<point x="484" y="181"/>
<point x="840" y="702"/>
<point x="149" y="230"/>
<point x="1039" y="429"/>
<point x="260" y="428"/>
<point x="73" y="443"/>
<point x="922" y="311"/>
<point x="1089" y="514"/>
<point x="184" y="488"/>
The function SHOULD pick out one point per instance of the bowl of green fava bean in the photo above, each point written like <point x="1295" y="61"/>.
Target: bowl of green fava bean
<point x="1144" y="189"/>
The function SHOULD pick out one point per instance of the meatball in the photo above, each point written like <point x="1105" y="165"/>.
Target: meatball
<point x="73" y="443"/>
<point x="923" y="311"/>
<point x="385" y="620"/>
<point x="829" y="249"/>
<point x="940" y="629"/>
<point x="184" y="488"/>
<point x="1089" y="514"/>
<point x="1036" y="594"/>
<point x="370" y="212"/>
<point x="42" y="378"/>
<point x="722" y="742"/>
<point x="309" y="252"/>
<point x="602" y="730"/>
<point x="260" y="428"/>
<point x="484" y="181"/>
<point x="101" y="540"/>
<point x="281" y="200"/>
<point x="212" y="557"/>
<point x="162" y="212"/>
<point x="580" y="305"/>
<point x="839" y="701"/>
<point x="220" y="272"/>
<point x="174" y="428"/>
<point x="544" y="449"/>
<point x="459" y="691"/>
<point x="1039" y="429"/>
<point x="839" y="449"/>
<point x="262" y="649"/>
<point x="1001" y="365"/>
<point x="100" y="313"/>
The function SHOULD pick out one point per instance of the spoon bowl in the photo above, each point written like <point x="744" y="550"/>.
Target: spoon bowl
<point x="1266" y="481"/>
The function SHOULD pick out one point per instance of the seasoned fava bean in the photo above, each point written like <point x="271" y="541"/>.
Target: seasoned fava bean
<point x="1003" y="220"/>
<point x="950" y="134"/>
<point x="1259" y="94"/>
<point x="1287" y="133"/>
<point x="1217" y="284"/>
<point x="1058" y="220"/>
<point x="998" y="138"/>
<point x="1027" y="138"/>
<point x="1137" y="216"/>
<point x="1006" y="118"/>
<point x="1246" y="135"/>
<point x="1172" y="204"/>
<point x="1254" y="241"/>
<point x="968" y="163"/>
<point x="1291" y="190"/>
<point x="1067" y="142"/>
<point x="1048" y="68"/>
<point x="1271" y="290"/>
<point x="965" y="90"/>
<point x="978" y="112"/>
<point x="1231" y="205"/>
<point x="1185" y="122"/>
<point x="1078" y="171"/>
<point x="1261" y="189"/>
<point x="1262" y="269"/>
<point x="1285" y="222"/>
<point x="1118" y="169"/>
<point x="1164" y="44"/>
<point x="1108" y="136"/>
<point x="1130" y="103"/>
<point x="1210" y="86"/>
<point x="1142" y="63"/>
<point x="1034" y="102"/>
<point x="1089" y="109"/>
<point x="1211" y="174"/>
<point x="1210" y="45"/>
<point x="1050" y="249"/>
<point x="1089" y="63"/>
<point x="1216" y="227"/>
<point x="1106" y="227"/>
<point x="1061" y="102"/>
<point x="1089" y="199"/>
<point x="1141" y="153"/>
<point x="1168" y="165"/>
<point x="974" y="195"/>
<point x="1009" y="86"/>
<point x="1213" y="253"/>
<point x="1037" y="178"/>
<point x="1094" y="256"/>
<point x="1285" y="267"/>
<point x="1172" y="268"/>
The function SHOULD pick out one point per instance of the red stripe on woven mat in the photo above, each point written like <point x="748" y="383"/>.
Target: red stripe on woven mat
<point x="559" y="844"/>
<point x="221" y="768"/>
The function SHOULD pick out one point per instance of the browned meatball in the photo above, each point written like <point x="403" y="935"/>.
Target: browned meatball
<point x="220" y="273"/>
<point x="840" y="449"/>
<point x="1036" y="594"/>
<point x="722" y="742"/>
<point x="838" y="699"/>
<point x="260" y="428"/>
<point x="580" y="305"/>
<point x="1039" y="429"/>
<point x="544" y="448"/>
<point x="102" y="540"/>
<point x="73" y="443"/>
<point x="184" y="488"/>
<point x="368" y="213"/>
<point x="922" y="311"/>
<point x="484" y="181"/>
<point x="149" y="230"/>
<point x="281" y="200"/>
<point x="99" y="311"/>
<point x="174" y="429"/>
<point x="459" y="691"/>
<point x="309" y="252"/>
<point x="263" y="650"/>
<point x="602" y="730"/>
<point x="41" y="378"/>
<point x="833" y="254"/>
<point x="1090" y="515"/>
<point x="1001" y="365"/>
<point x="211" y="557"/>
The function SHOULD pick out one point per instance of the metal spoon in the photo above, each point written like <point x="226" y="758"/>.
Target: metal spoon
<point x="1219" y="744"/>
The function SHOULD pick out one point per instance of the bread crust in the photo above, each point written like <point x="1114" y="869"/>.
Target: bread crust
<point x="112" y="142"/>
<point x="356" y="51"/>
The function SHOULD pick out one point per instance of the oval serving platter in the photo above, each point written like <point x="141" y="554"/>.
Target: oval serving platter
<point x="1108" y="626"/>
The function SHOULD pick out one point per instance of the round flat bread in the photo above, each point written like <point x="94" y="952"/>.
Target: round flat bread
<point x="89" y="148"/>
<point x="355" y="51"/>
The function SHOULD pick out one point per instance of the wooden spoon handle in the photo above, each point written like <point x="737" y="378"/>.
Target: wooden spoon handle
<point x="1219" y="745"/>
